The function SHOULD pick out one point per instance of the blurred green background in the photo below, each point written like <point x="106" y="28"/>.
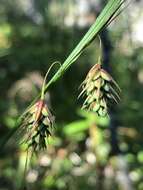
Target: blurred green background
<point x="86" y="152"/>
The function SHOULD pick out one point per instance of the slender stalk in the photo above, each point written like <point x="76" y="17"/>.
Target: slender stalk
<point x="100" y="51"/>
<point x="45" y="78"/>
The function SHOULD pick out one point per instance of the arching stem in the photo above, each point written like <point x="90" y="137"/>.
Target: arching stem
<point x="100" y="50"/>
<point x="45" y="78"/>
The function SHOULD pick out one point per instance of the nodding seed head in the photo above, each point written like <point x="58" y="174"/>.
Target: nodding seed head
<point x="38" y="120"/>
<point x="99" y="88"/>
<point x="39" y="125"/>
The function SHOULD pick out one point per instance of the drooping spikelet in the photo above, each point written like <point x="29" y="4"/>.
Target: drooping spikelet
<point x="38" y="121"/>
<point x="99" y="87"/>
<point x="38" y="124"/>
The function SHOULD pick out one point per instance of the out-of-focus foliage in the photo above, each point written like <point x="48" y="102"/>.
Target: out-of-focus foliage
<point x="86" y="152"/>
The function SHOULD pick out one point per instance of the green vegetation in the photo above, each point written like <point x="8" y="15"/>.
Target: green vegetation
<point x="86" y="151"/>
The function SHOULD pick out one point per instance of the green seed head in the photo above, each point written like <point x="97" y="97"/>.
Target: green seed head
<point x="38" y="125"/>
<point x="99" y="88"/>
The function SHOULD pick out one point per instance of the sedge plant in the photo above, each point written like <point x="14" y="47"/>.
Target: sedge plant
<point x="98" y="87"/>
<point x="38" y="113"/>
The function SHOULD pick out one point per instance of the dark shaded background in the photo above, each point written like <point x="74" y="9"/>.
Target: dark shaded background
<point x="86" y="152"/>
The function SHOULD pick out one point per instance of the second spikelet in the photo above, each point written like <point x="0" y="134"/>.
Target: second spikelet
<point x="38" y="125"/>
<point x="99" y="87"/>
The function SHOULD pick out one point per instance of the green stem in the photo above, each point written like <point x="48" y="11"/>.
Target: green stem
<point x="100" y="51"/>
<point x="45" y="78"/>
